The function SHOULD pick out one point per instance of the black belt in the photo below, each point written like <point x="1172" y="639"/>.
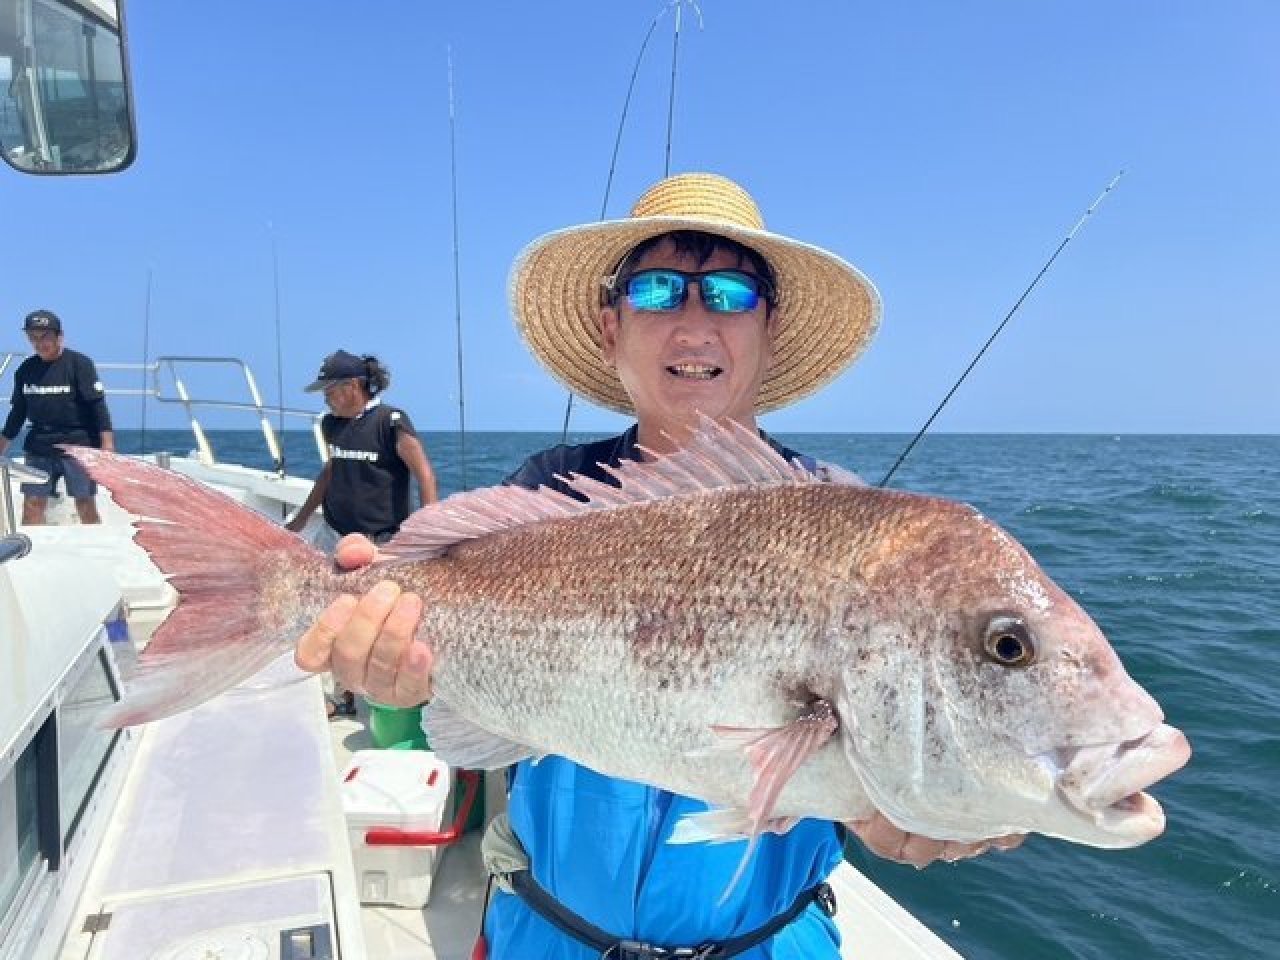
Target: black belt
<point x="612" y="948"/>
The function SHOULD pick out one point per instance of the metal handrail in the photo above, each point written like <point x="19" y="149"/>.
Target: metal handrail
<point x="182" y="395"/>
<point x="11" y="470"/>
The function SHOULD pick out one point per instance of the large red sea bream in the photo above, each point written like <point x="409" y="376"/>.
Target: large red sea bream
<point x="723" y="625"/>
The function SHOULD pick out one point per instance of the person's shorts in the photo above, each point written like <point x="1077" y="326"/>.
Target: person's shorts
<point x="79" y="485"/>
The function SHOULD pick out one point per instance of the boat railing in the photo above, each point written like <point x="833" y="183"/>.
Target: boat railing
<point x="179" y="393"/>
<point x="10" y="471"/>
<point x="174" y="390"/>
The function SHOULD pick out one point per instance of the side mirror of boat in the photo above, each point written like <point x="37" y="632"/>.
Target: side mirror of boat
<point x="64" y="86"/>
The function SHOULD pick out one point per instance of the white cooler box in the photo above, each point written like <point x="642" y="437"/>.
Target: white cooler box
<point x="394" y="801"/>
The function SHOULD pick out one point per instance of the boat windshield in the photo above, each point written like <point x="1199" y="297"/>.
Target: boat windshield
<point x="64" y="102"/>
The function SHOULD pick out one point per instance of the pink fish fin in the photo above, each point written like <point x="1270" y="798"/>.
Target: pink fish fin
<point x="721" y="826"/>
<point x="776" y="753"/>
<point x="460" y="742"/>
<point x="430" y="531"/>
<point x="714" y="457"/>
<point x="219" y="556"/>
<point x="724" y="824"/>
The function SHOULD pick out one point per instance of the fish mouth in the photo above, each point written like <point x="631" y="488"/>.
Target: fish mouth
<point x="1105" y="785"/>
<point x="691" y="370"/>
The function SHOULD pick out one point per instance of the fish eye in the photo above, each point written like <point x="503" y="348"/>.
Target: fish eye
<point x="1008" y="642"/>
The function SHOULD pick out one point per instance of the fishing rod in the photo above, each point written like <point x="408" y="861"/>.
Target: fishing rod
<point x="146" y="348"/>
<point x="275" y="281"/>
<point x="622" y="120"/>
<point x="671" y="98"/>
<point x="1008" y="316"/>
<point x="457" y="279"/>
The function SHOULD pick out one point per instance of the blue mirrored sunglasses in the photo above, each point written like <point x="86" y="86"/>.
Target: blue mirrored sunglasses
<point x="661" y="290"/>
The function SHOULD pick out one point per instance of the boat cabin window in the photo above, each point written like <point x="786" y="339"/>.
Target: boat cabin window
<point x="83" y="747"/>
<point x="64" y="97"/>
<point x="50" y="778"/>
<point x="19" y="833"/>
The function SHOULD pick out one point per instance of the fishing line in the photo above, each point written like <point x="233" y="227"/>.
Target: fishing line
<point x="275" y="282"/>
<point x="146" y="347"/>
<point x="1008" y="316"/>
<point x="457" y="278"/>
<point x="671" y="97"/>
<point x="622" y="121"/>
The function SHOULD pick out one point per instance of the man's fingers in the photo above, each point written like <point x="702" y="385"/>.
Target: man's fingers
<point x="920" y="851"/>
<point x="394" y="638"/>
<point x="953" y="851"/>
<point x="413" y="679"/>
<point x="353" y="551"/>
<point x="315" y="648"/>
<point x="1010" y="842"/>
<point x="356" y="640"/>
<point x="881" y="837"/>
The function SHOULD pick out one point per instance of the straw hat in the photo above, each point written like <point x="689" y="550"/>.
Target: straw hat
<point x="826" y="314"/>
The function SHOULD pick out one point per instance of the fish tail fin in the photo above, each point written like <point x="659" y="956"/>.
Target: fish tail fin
<point x="242" y="581"/>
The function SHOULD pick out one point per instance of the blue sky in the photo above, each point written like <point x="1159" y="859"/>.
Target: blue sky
<point x="944" y="148"/>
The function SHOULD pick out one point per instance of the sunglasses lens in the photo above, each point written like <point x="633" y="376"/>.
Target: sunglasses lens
<point x="730" y="292"/>
<point x="656" y="290"/>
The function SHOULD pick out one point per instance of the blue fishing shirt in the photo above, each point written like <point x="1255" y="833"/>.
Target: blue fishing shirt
<point x="599" y="844"/>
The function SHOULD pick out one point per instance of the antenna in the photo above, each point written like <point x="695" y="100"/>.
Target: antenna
<point x="146" y="347"/>
<point x="275" y="280"/>
<point x="457" y="281"/>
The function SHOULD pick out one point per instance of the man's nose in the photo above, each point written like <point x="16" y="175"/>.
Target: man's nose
<point x="694" y="319"/>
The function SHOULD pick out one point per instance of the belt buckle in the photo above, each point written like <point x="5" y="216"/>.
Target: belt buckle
<point x="638" y="950"/>
<point x="634" y="950"/>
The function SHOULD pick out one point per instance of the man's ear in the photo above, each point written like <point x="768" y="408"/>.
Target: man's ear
<point x="608" y="321"/>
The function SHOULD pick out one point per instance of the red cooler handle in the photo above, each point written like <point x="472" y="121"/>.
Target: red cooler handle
<point x="395" y="837"/>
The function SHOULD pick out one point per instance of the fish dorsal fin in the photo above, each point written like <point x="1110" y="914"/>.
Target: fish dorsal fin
<point x="474" y="514"/>
<point x="716" y="457"/>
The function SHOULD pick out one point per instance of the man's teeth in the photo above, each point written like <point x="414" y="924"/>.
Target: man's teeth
<point x="697" y="371"/>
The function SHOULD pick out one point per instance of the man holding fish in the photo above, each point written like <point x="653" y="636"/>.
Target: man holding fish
<point x="689" y="308"/>
<point x="687" y="633"/>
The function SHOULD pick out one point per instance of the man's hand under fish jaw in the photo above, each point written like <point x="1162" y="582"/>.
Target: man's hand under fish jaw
<point x="885" y="840"/>
<point x="368" y="642"/>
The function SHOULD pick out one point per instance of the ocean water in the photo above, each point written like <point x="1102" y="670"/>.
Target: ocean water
<point x="1172" y="543"/>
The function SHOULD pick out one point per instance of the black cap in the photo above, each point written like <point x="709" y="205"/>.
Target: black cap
<point x="337" y="367"/>
<point x="42" y="320"/>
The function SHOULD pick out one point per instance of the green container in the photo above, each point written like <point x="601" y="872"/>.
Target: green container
<point x="399" y="727"/>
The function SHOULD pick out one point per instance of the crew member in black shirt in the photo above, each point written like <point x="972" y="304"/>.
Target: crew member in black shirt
<point x="373" y="449"/>
<point x="58" y="390"/>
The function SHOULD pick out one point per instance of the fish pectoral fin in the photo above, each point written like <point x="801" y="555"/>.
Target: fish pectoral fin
<point x="461" y="743"/>
<point x="723" y="825"/>
<point x="776" y="753"/>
